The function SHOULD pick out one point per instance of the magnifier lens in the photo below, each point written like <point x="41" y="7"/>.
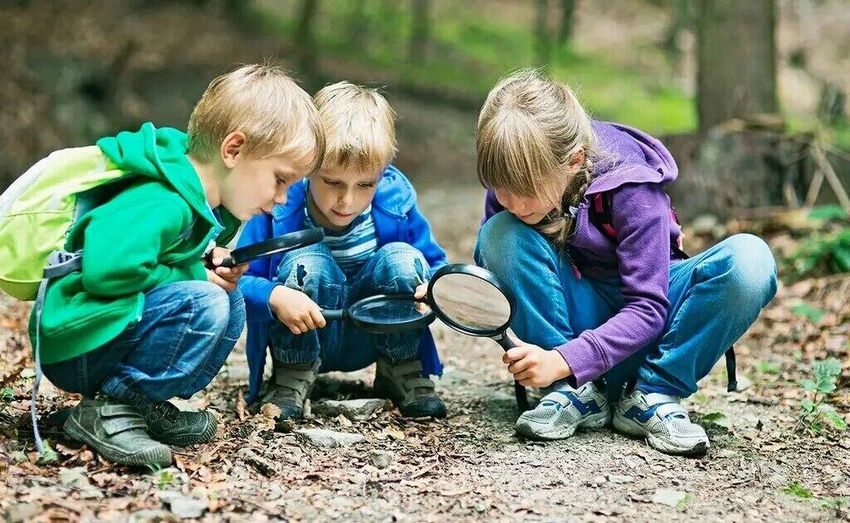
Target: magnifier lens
<point x="387" y="312"/>
<point x="471" y="302"/>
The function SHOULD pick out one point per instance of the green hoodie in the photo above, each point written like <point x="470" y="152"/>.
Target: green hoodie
<point x="152" y="232"/>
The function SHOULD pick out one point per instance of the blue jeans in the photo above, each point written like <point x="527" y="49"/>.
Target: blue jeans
<point x="714" y="298"/>
<point x="394" y="268"/>
<point x="186" y="332"/>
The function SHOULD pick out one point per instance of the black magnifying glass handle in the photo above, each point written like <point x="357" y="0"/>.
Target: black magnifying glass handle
<point x="506" y="342"/>
<point x="331" y="315"/>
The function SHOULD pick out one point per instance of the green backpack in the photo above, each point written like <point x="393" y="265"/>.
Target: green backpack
<point x="39" y="208"/>
<point x="36" y="213"/>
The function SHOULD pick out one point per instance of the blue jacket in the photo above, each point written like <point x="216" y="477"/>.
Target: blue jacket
<point x="397" y="219"/>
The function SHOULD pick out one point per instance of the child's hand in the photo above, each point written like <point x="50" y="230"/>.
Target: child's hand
<point x="224" y="277"/>
<point x="420" y="293"/>
<point x="296" y="310"/>
<point x="533" y="366"/>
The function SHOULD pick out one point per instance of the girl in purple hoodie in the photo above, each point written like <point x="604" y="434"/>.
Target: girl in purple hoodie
<point x="603" y="305"/>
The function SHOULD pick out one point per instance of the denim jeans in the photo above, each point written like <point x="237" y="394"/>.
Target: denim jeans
<point x="714" y="298"/>
<point x="186" y="332"/>
<point x="394" y="268"/>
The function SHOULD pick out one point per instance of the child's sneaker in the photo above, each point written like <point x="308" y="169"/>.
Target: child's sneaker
<point x="413" y="394"/>
<point x="172" y="426"/>
<point x="116" y="431"/>
<point x="564" y="410"/>
<point x="289" y="387"/>
<point x="662" y="421"/>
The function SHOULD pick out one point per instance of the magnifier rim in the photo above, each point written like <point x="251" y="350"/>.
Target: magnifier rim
<point x="422" y="321"/>
<point x="292" y="240"/>
<point x="482" y="274"/>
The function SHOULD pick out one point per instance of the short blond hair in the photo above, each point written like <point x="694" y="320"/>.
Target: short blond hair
<point x="359" y="126"/>
<point x="529" y="130"/>
<point x="263" y="102"/>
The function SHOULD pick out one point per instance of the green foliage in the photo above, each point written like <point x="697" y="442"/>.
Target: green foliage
<point x="768" y="367"/>
<point x="713" y="417"/>
<point x="795" y="488"/>
<point x="163" y="478"/>
<point x="817" y="415"/>
<point x="805" y="310"/>
<point x="822" y="254"/>
<point x="49" y="455"/>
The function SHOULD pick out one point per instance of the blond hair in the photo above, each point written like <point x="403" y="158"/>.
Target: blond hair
<point x="529" y="132"/>
<point x="359" y="126"/>
<point x="264" y="103"/>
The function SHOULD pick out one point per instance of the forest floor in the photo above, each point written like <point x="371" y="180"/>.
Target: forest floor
<point x="762" y="465"/>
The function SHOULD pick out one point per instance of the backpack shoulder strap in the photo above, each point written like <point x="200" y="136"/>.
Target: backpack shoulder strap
<point x="600" y="215"/>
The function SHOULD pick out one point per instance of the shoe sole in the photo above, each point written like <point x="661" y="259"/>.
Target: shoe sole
<point x="157" y="456"/>
<point x="546" y="431"/>
<point x="632" y="428"/>
<point x="185" y="440"/>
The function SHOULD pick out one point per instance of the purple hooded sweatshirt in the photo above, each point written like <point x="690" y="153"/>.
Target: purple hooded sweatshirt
<point x="634" y="167"/>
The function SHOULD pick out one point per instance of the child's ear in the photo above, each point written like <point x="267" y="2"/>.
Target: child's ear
<point x="231" y="148"/>
<point x="577" y="159"/>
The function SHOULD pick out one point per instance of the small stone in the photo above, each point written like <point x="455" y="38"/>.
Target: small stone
<point x="358" y="410"/>
<point x="328" y="438"/>
<point x="21" y="512"/>
<point x="597" y="481"/>
<point x="381" y="458"/>
<point x="188" y="507"/>
<point x="261" y="464"/>
<point x="613" y="478"/>
<point x="727" y="453"/>
<point x="668" y="497"/>
<point x="75" y="478"/>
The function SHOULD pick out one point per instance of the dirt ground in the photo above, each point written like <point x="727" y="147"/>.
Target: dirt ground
<point x="470" y="466"/>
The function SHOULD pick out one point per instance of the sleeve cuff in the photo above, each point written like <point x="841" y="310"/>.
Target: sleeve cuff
<point x="583" y="359"/>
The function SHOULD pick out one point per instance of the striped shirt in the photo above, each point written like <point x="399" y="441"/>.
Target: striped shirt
<point x="352" y="246"/>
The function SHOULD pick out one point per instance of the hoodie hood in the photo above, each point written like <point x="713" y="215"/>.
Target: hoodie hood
<point x="159" y="154"/>
<point x="628" y="155"/>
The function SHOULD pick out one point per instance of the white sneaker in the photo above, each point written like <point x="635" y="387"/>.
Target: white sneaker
<point x="662" y="421"/>
<point x="564" y="410"/>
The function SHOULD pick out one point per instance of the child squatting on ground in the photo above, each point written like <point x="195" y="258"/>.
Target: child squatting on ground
<point x="376" y="242"/>
<point x="604" y="310"/>
<point x="144" y="320"/>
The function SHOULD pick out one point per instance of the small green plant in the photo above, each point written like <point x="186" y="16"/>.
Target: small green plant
<point x="768" y="367"/>
<point x="821" y="255"/>
<point x="818" y="415"/>
<point x="795" y="488"/>
<point x="48" y="455"/>
<point x="804" y="310"/>
<point x="163" y="477"/>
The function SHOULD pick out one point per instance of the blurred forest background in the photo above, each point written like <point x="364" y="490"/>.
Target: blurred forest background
<point x="749" y="95"/>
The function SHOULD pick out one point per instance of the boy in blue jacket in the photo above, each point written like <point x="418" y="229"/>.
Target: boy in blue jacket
<point x="376" y="242"/>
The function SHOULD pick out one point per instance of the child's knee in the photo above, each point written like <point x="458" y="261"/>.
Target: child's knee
<point x="210" y="306"/>
<point x="304" y="269"/>
<point x="400" y="265"/>
<point x="504" y="240"/>
<point x="753" y="268"/>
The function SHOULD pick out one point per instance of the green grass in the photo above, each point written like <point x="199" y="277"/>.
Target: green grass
<point x="797" y="489"/>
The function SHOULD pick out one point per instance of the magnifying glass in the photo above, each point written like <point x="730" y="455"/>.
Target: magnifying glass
<point x="384" y="314"/>
<point x="276" y="245"/>
<point x="473" y="301"/>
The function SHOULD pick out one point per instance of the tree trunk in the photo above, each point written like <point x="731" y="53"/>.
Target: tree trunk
<point x="305" y="39"/>
<point x="736" y="60"/>
<point x="358" y="25"/>
<point x="420" y="34"/>
<point x="542" y="42"/>
<point x="568" y="15"/>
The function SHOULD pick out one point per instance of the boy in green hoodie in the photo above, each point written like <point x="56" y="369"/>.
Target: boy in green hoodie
<point x="144" y="320"/>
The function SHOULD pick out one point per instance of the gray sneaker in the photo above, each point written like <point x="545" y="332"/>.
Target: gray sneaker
<point x="662" y="421"/>
<point x="289" y="387"/>
<point x="168" y="424"/>
<point x="116" y="431"/>
<point x="410" y="391"/>
<point x="564" y="410"/>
